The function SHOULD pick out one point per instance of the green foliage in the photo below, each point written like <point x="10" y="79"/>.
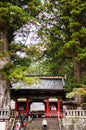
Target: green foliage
<point x="13" y="15"/>
<point x="30" y="80"/>
<point x="63" y="33"/>
<point x="84" y="106"/>
<point x="66" y="37"/>
<point x="1" y="49"/>
<point x="12" y="18"/>
<point x="34" y="52"/>
<point x="77" y="91"/>
<point x="84" y="103"/>
<point x="17" y="74"/>
<point x="84" y="80"/>
<point x="34" y="7"/>
<point x="19" y="59"/>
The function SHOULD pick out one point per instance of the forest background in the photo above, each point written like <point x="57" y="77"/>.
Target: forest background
<point x="60" y="49"/>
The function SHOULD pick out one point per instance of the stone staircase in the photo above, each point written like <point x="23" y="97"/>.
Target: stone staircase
<point x="36" y="124"/>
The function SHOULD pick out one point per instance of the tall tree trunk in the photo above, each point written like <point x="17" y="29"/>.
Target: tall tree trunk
<point x="4" y="59"/>
<point x="77" y="70"/>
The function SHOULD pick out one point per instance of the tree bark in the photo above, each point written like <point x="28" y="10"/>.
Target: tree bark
<point x="4" y="59"/>
<point x="77" y="70"/>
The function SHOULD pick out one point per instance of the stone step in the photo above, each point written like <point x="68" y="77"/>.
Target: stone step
<point x="36" y="124"/>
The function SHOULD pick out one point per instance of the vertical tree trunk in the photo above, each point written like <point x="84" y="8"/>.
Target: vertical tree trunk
<point x="77" y="70"/>
<point x="4" y="59"/>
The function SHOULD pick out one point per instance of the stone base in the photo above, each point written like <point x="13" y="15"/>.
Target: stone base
<point x="74" y="123"/>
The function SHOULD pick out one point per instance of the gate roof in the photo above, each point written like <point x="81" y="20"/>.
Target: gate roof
<point x="46" y="86"/>
<point x="54" y="83"/>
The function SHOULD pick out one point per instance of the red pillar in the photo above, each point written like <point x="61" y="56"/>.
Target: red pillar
<point x="16" y="105"/>
<point x="59" y="105"/>
<point x="47" y="107"/>
<point x="27" y="107"/>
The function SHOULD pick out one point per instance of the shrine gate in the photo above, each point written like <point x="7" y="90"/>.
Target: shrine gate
<point x="43" y="98"/>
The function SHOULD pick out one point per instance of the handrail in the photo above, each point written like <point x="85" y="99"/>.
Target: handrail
<point x="75" y="113"/>
<point x="11" y="124"/>
<point x="4" y="113"/>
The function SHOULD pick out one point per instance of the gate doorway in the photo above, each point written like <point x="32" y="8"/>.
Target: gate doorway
<point x="37" y="109"/>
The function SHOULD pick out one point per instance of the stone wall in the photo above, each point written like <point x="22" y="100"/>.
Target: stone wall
<point x="74" y="123"/>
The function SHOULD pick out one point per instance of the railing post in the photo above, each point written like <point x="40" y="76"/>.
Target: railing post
<point x="4" y="113"/>
<point x="75" y="113"/>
